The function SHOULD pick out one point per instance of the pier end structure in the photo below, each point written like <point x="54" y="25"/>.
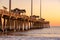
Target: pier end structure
<point x="41" y="23"/>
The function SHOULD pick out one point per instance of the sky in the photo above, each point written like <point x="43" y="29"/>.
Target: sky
<point x="50" y="8"/>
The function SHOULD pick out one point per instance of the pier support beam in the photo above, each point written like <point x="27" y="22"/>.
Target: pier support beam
<point x="0" y="22"/>
<point x="47" y="25"/>
<point x="29" y="26"/>
<point x="8" y="24"/>
<point x="11" y="24"/>
<point x="23" y="27"/>
<point x="19" y="25"/>
<point x="3" y="25"/>
<point x="41" y="25"/>
<point x="15" y="25"/>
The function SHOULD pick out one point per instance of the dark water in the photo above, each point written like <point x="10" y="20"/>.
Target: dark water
<point x="52" y="33"/>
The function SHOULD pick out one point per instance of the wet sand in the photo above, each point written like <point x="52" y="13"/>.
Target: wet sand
<point x="38" y="34"/>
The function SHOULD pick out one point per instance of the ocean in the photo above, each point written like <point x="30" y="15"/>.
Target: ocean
<point x="52" y="33"/>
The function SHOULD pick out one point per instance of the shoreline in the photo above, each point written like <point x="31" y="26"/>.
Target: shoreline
<point x="19" y="34"/>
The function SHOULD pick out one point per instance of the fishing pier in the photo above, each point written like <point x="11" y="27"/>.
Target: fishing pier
<point x="15" y="20"/>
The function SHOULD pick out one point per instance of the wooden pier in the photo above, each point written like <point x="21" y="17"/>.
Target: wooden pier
<point x="10" y="21"/>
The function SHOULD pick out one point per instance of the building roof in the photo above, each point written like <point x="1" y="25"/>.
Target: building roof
<point x="16" y="10"/>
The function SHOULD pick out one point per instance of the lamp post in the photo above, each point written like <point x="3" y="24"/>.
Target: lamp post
<point x="9" y="14"/>
<point x="31" y="12"/>
<point x="31" y="7"/>
<point x="9" y="5"/>
<point x="40" y="10"/>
